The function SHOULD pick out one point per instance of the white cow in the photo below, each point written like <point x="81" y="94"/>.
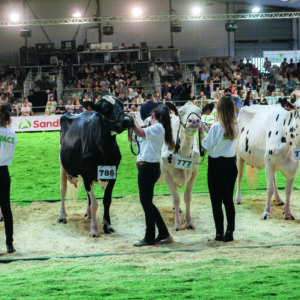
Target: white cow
<point x="185" y="125"/>
<point x="267" y="138"/>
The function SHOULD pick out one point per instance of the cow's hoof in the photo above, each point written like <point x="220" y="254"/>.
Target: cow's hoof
<point x="62" y="220"/>
<point x="88" y="216"/>
<point x="291" y="218"/>
<point x="180" y="211"/>
<point x="94" y="234"/>
<point x="1" y="219"/>
<point x="190" y="227"/>
<point x="108" y="229"/>
<point x="279" y="203"/>
<point x="239" y="202"/>
<point x="266" y="217"/>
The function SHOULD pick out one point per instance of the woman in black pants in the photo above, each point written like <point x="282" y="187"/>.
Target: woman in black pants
<point x="222" y="171"/>
<point x="148" y="163"/>
<point x="8" y="140"/>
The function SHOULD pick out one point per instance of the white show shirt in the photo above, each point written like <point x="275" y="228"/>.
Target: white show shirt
<point x="150" y="146"/>
<point x="216" y="144"/>
<point x="8" y="141"/>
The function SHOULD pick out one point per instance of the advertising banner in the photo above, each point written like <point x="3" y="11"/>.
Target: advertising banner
<point x="38" y="123"/>
<point x="276" y="57"/>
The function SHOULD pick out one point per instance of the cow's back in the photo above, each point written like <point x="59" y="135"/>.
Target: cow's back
<point x="259" y="132"/>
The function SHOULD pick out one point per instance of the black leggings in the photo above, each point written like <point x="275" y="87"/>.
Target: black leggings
<point x="148" y="174"/>
<point x="5" y="204"/>
<point x="221" y="175"/>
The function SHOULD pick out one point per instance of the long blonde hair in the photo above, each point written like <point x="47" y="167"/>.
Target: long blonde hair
<point x="226" y="116"/>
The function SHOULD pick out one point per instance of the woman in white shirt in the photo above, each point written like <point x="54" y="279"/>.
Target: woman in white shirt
<point x="148" y="163"/>
<point x="8" y="141"/>
<point x="222" y="171"/>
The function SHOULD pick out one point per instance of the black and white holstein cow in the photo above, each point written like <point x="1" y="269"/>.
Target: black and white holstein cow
<point x="180" y="167"/>
<point x="87" y="141"/>
<point x="267" y="138"/>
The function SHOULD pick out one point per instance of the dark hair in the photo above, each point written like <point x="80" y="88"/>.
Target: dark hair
<point x="5" y="112"/>
<point x="227" y="90"/>
<point x="248" y="98"/>
<point x="162" y="115"/>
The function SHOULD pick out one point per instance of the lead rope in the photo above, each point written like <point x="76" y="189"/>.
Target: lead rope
<point x="134" y="141"/>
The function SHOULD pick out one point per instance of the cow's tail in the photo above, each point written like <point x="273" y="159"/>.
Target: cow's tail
<point x="73" y="188"/>
<point x="251" y="174"/>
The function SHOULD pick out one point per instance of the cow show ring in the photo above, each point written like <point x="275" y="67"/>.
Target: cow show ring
<point x="38" y="235"/>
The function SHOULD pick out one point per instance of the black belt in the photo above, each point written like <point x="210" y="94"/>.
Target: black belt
<point x="140" y="163"/>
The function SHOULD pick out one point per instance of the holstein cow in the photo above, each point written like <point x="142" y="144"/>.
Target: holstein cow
<point x="88" y="141"/>
<point x="267" y="138"/>
<point x="180" y="167"/>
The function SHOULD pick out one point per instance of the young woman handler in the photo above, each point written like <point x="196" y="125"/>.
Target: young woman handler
<point x="222" y="171"/>
<point x="148" y="164"/>
<point x="8" y="141"/>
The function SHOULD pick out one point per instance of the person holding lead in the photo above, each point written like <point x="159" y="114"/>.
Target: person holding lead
<point x="8" y="141"/>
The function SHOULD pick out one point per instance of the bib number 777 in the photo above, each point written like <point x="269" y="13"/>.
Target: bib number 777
<point x="107" y="172"/>
<point x="184" y="163"/>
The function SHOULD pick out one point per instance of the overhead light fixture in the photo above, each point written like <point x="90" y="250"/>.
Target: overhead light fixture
<point x="196" y="11"/>
<point x="136" y="12"/>
<point x="76" y="15"/>
<point x="256" y="9"/>
<point x="14" y="17"/>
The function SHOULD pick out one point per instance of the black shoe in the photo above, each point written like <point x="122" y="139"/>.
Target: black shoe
<point x="228" y="236"/>
<point x="219" y="237"/>
<point x="162" y="237"/>
<point x="143" y="242"/>
<point x="10" y="249"/>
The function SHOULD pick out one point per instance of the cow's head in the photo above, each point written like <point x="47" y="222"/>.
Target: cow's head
<point x="111" y="109"/>
<point x="190" y="116"/>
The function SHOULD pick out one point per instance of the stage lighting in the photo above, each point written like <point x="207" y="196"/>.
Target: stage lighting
<point x="14" y="17"/>
<point x="256" y="9"/>
<point x="76" y="15"/>
<point x="196" y="11"/>
<point x="136" y="12"/>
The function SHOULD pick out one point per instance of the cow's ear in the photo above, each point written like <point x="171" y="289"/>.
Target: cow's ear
<point x="293" y="98"/>
<point x="103" y="107"/>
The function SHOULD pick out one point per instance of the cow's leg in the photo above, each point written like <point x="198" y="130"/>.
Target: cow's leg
<point x="63" y="190"/>
<point x="187" y="200"/>
<point x="107" y="227"/>
<point x="270" y="171"/>
<point x="1" y="216"/>
<point x="240" y="166"/>
<point x="88" y="207"/>
<point x="288" y="192"/>
<point x="94" y="205"/>
<point x="277" y="199"/>
<point x="176" y="199"/>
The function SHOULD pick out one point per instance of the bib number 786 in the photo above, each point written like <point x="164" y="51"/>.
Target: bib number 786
<point x="183" y="163"/>
<point x="107" y="172"/>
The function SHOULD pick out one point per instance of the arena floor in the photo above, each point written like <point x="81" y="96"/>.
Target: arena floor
<point x="38" y="234"/>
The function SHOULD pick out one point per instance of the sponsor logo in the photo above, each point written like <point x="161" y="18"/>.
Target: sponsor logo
<point x="26" y="124"/>
<point x="46" y="124"/>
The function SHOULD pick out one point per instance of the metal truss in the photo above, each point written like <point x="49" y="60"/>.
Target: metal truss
<point x="161" y="18"/>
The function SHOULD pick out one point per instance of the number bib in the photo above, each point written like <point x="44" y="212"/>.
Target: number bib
<point x="297" y="154"/>
<point x="183" y="163"/>
<point x="107" y="172"/>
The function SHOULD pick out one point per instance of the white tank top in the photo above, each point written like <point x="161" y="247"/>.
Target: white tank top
<point x="8" y="141"/>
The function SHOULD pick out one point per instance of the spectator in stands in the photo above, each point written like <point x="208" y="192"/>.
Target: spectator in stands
<point x="176" y="91"/>
<point x="241" y="65"/>
<point x="77" y="93"/>
<point x="270" y="88"/>
<point x="50" y="110"/>
<point x="204" y="77"/>
<point x="147" y="107"/>
<point x="187" y="89"/>
<point x="26" y="109"/>
<point x="212" y="88"/>
<point x="249" y="84"/>
<point x="225" y="81"/>
<point x="170" y="71"/>
<point x="132" y="93"/>
<point x="290" y="86"/>
<point x="177" y="73"/>
<point x="238" y="102"/>
<point x="291" y="64"/>
<point x="254" y="71"/>
<point x="283" y="66"/>
<point x="151" y="71"/>
<point x="249" y="99"/>
<point x="15" y="109"/>
<point x="191" y="98"/>
<point x="233" y="66"/>
<point x="168" y="98"/>
<point x="60" y="108"/>
<point x="78" y="109"/>
<point x="221" y="88"/>
<point x="248" y="64"/>
<point x="157" y="97"/>
<point x="104" y="91"/>
<point x="166" y="88"/>
<point x="267" y="65"/>
<point x="239" y="83"/>
<point x="69" y="107"/>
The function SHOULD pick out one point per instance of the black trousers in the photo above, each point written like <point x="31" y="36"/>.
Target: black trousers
<point x="221" y="176"/>
<point x="148" y="174"/>
<point x="5" y="204"/>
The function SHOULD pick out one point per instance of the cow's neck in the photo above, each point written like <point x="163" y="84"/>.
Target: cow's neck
<point x="186" y="142"/>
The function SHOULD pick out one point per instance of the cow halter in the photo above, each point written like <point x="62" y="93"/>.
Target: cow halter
<point x="184" y="125"/>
